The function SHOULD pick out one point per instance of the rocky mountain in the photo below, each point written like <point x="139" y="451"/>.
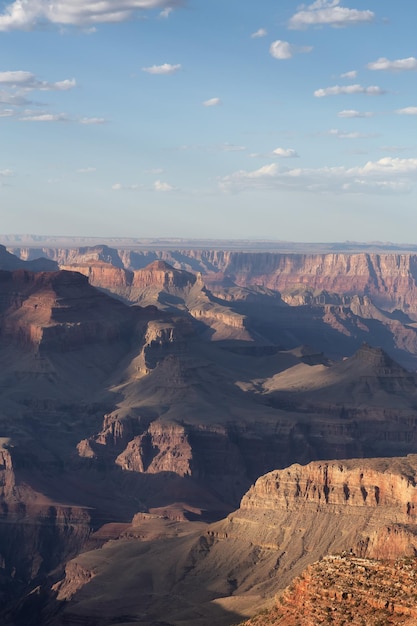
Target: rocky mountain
<point x="388" y="278"/>
<point x="345" y="589"/>
<point x="363" y="509"/>
<point x="144" y="412"/>
<point x="333" y="301"/>
<point x="38" y="263"/>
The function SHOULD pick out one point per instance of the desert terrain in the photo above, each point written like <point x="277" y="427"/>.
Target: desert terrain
<point x="187" y="434"/>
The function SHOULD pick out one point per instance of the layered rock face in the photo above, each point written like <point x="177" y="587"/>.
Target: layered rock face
<point x="344" y="590"/>
<point x="59" y="309"/>
<point x="360" y="509"/>
<point x="124" y="410"/>
<point x="37" y="534"/>
<point x="339" y="487"/>
<point x="390" y="279"/>
<point x="336" y="301"/>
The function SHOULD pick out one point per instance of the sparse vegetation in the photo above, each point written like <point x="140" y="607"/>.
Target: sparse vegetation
<point x="381" y="593"/>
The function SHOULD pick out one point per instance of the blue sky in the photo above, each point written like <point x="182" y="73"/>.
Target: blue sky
<point x="223" y="118"/>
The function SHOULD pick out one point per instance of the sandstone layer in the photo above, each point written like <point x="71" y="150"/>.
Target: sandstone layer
<point x="334" y="301"/>
<point x="388" y="278"/>
<point x="345" y="589"/>
<point x="288" y="520"/>
<point x="111" y="411"/>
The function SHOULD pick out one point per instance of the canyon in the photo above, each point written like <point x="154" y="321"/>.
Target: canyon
<point x="199" y="426"/>
<point x="362" y="511"/>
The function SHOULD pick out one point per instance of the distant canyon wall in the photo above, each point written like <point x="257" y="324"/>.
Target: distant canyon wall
<point x="389" y="279"/>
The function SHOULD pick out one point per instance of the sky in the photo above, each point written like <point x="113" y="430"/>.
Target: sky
<point x="246" y="119"/>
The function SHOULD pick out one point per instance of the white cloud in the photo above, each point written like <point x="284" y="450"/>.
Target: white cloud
<point x="7" y="113"/>
<point x="352" y="113"/>
<point x="166" y="12"/>
<point x="399" y="65"/>
<point x="13" y="99"/>
<point x="261" y="32"/>
<point x="350" y="75"/>
<point x="338" y="90"/>
<point x="27" y="81"/>
<point x="328" y="12"/>
<point x="45" y="117"/>
<point x="120" y="187"/>
<point x="161" y="186"/>
<point x="284" y="50"/>
<point x="212" y="102"/>
<point x="86" y="170"/>
<point x="155" y="170"/>
<point x="341" y="134"/>
<point x="230" y="147"/>
<point x="165" y="68"/>
<point x="386" y="174"/>
<point x="407" y="111"/>
<point x="30" y="115"/>
<point x="285" y="153"/>
<point x="28" y="14"/>
<point x="6" y="173"/>
<point x="92" y="120"/>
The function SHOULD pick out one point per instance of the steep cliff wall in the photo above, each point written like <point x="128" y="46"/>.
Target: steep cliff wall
<point x="388" y="278"/>
<point x="288" y="520"/>
<point x="368" y="506"/>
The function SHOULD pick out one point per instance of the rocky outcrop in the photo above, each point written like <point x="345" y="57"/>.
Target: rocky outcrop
<point x="368" y="507"/>
<point x="288" y="520"/>
<point x="333" y="486"/>
<point x="163" y="448"/>
<point x="161" y="274"/>
<point x="60" y="310"/>
<point x="37" y="534"/>
<point x="344" y="589"/>
<point x="388" y="278"/>
<point x="103" y="275"/>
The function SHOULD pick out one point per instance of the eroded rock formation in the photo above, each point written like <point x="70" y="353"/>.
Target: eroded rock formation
<point x="360" y="509"/>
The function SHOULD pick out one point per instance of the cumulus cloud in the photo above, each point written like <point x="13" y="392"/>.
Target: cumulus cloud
<point x="283" y="50"/>
<point x="338" y="90"/>
<point x="352" y="113"/>
<point x="212" y="102"/>
<point x="27" y="81"/>
<point x="407" y="111"/>
<point x="159" y="185"/>
<point x="45" y="117"/>
<point x="399" y="65"/>
<point x="261" y="32"/>
<point x="28" y="14"/>
<point x="16" y="84"/>
<point x="285" y="153"/>
<point x="351" y="75"/>
<point x="165" y="68"/>
<point x="329" y="12"/>
<point x="387" y="174"/>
